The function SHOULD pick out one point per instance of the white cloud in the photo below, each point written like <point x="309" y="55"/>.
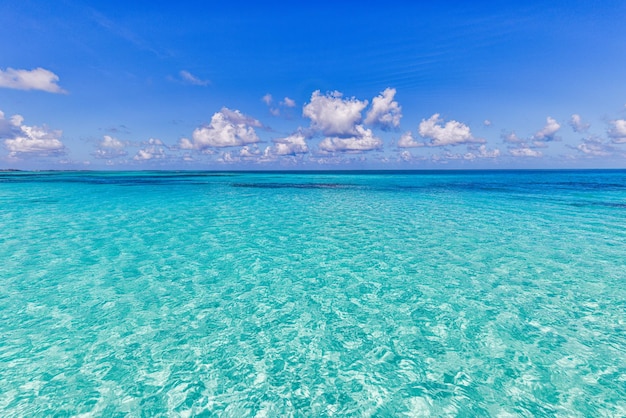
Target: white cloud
<point x="292" y="145"/>
<point x="287" y="102"/>
<point x="384" y="112"/>
<point x="267" y="99"/>
<point x="228" y="128"/>
<point x="487" y="122"/>
<point x="189" y="78"/>
<point x="406" y="156"/>
<point x="618" y="132"/>
<point x="7" y="127"/>
<point x="593" y="146"/>
<point x="108" y="154"/>
<point x="236" y="117"/>
<point x="577" y="124"/>
<point x="227" y="157"/>
<point x="110" y="142"/>
<point x="149" y="153"/>
<point x="547" y="133"/>
<point x="452" y="133"/>
<point x="37" y="79"/>
<point x="525" y="152"/>
<point x="364" y="140"/>
<point x="334" y="115"/>
<point x="407" y="141"/>
<point x="110" y="148"/>
<point x="446" y="156"/>
<point x="153" y="141"/>
<point x="482" y="152"/>
<point x="24" y="139"/>
<point x="185" y="143"/>
<point x="593" y="149"/>
<point x="247" y="152"/>
<point x="512" y="138"/>
<point x="275" y="110"/>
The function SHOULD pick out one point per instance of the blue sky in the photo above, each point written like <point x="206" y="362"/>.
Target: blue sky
<point x="324" y="85"/>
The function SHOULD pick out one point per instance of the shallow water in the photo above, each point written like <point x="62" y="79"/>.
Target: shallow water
<point x="313" y="294"/>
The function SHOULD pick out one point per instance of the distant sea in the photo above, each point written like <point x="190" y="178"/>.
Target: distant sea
<point x="476" y="293"/>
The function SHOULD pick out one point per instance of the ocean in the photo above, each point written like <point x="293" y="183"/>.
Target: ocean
<point x="450" y="293"/>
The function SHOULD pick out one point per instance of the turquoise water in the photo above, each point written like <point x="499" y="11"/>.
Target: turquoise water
<point x="318" y="294"/>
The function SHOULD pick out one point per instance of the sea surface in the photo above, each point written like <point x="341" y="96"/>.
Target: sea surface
<point x="448" y="294"/>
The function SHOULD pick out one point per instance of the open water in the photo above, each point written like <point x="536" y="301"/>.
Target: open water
<point x="313" y="294"/>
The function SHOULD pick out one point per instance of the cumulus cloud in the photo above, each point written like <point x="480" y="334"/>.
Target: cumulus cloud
<point x="481" y="152"/>
<point x="7" y="127"/>
<point x="593" y="146"/>
<point x="577" y="124"/>
<point x="333" y="115"/>
<point x="363" y="140"/>
<point x="20" y="139"/>
<point x="108" y="154"/>
<point x="525" y="152"/>
<point x="227" y="157"/>
<point x="110" y="148"/>
<point x="406" y="156"/>
<point x="189" y="78"/>
<point x="236" y="117"/>
<point x="617" y="132"/>
<point x="248" y="152"/>
<point x="487" y="122"/>
<point x="291" y="145"/>
<point x="153" y="141"/>
<point x="287" y="102"/>
<point x="512" y="138"/>
<point x="385" y="112"/>
<point x="110" y="142"/>
<point x="37" y="79"/>
<point x="548" y="132"/>
<point x="150" y="153"/>
<point x="407" y="141"/>
<point x="185" y="143"/>
<point x="452" y="133"/>
<point x="593" y="149"/>
<point x="228" y="128"/>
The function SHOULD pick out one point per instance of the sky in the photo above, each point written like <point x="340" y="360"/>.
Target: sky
<point x="142" y="85"/>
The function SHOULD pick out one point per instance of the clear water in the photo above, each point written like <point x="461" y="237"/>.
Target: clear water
<point x="329" y="294"/>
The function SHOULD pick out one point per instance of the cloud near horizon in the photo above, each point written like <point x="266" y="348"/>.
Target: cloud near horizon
<point x="153" y="152"/>
<point x="228" y="128"/>
<point x="339" y="126"/>
<point x="548" y="132"/>
<point x="110" y="148"/>
<point x="407" y="141"/>
<point x="36" y="79"/>
<point x="525" y="152"/>
<point x="291" y="145"/>
<point x="452" y="133"/>
<point x="362" y="140"/>
<point x="577" y="123"/>
<point x="24" y="140"/>
<point x="617" y="132"/>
